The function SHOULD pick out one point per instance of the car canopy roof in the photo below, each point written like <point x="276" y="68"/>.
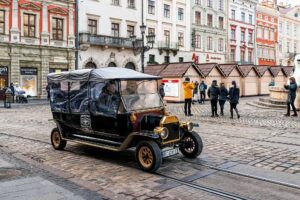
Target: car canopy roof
<point x="108" y="73"/>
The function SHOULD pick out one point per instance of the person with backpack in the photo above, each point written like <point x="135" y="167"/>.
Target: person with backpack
<point x="213" y="94"/>
<point x="234" y="96"/>
<point x="202" y="89"/>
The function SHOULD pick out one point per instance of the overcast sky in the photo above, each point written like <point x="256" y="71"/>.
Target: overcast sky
<point x="292" y="2"/>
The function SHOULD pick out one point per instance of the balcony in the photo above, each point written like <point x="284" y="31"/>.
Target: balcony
<point x="168" y="47"/>
<point x="87" y="39"/>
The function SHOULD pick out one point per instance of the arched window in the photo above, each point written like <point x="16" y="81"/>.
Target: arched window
<point x="90" y="65"/>
<point x="130" y="65"/>
<point x="112" y="64"/>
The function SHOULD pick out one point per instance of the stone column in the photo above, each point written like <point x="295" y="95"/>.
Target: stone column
<point x="15" y="36"/>
<point x="45" y="31"/>
<point x="15" y="65"/>
<point x="71" y="37"/>
<point x="44" y="72"/>
<point x="71" y="60"/>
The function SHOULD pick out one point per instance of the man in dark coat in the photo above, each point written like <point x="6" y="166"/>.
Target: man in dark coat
<point x="234" y="96"/>
<point x="213" y="93"/>
<point x="161" y="90"/>
<point x="291" y="97"/>
<point x="222" y="98"/>
<point x="12" y="89"/>
<point x="202" y="88"/>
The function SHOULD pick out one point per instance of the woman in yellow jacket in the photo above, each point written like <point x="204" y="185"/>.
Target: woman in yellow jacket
<point x="188" y="88"/>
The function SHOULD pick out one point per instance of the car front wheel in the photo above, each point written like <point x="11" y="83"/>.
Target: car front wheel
<point x="148" y="156"/>
<point x="191" y="145"/>
<point x="57" y="142"/>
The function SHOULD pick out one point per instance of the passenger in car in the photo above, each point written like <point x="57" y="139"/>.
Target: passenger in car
<point x="108" y="101"/>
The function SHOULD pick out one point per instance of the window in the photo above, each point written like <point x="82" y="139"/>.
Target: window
<point x="180" y="59"/>
<point x="131" y="3"/>
<point x="198" y="2"/>
<point x="115" y="2"/>
<point x="151" y="58"/>
<point x="250" y="37"/>
<point x="243" y="17"/>
<point x="221" y="22"/>
<point x="166" y="11"/>
<point x="115" y="31"/>
<point x="249" y="56"/>
<point x="130" y="30"/>
<point x="57" y="28"/>
<point x="280" y="27"/>
<point x="180" y="14"/>
<point x="198" y="18"/>
<point x="167" y="59"/>
<point x="295" y="30"/>
<point x="221" y="44"/>
<point x="265" y="53"/>
<point x="259" y="33"/>
<point x="209" y="20"/>
<point x="259" y="52"/>
<point x="198" y="41"/>
<point x="29" y="25"/>
<point x="221" y="4"/>
<point x="151" y="7"/>
<point x="92" y="26"/>
<point x="280" y="45"/>
<point x="242" y="56"/>
<point x="250" y="19"/>
<point x="288" y="47"/>
<point x="2" y="22"/>
<point x="232" y="14"/>
<point x="151" y="31"/>
<point x="167" y="37"/>
<point x="295" y="47"/>
<point x="232" y="55"/>
<point x="209" y="43"/>
<point x="272" y="54"/>
<point x="266" y="18"/>
<point x="271" y="34"/>
<point x="180" y="39"/>
<point x="242" y="35"/>
<point x="287" y="29"/>
<point x="232" y="34"/>
<point x="209" y="3"/>
<point x="266" y="34"/>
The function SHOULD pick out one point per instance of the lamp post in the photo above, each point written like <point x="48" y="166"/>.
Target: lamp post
<point x="139" y="44"/>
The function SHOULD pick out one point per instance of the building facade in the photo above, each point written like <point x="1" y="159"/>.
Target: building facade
<point x="266" y="33"/>
<point x="241" y="31"/>
<point x="209" y="34"/>
<point x="36" y="37"/>
<point x="105" y="28"/>
<point x="170" y="21"/>
<point x="289" y="34"/>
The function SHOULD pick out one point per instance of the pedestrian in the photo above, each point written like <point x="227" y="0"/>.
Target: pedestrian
<point x="213" y="94"/>
<point x="161" y="90"/>
<point x="234" y="96"/>
<point x="48" y="91"/>
<point x="12" y="89"/>
<point x="195" y="92"/>
<point x="188" y="94"/>
<point x="202" y="89"/>
<point x="291" y="96"/>
<point x="222" y="98"/>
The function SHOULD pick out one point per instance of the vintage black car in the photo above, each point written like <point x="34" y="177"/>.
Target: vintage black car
<point x="116" y="109"/>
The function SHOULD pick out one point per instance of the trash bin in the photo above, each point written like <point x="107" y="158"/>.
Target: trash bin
<point x="8" y="98"/>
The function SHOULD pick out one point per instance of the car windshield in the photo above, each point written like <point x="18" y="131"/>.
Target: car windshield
<point x="140" y="94"/>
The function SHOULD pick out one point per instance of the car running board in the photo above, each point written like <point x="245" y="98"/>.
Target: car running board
<point x="97" y="142"/>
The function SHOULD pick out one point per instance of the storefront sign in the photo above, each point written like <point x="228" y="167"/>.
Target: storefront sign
<point x="57" y="70"/>
<point x="28" y="71"/>
<point x="171" y="88"/>
<point x="3" y="71"/>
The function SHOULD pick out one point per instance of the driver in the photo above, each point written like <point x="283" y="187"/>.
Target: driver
<point x="109" y="100"/>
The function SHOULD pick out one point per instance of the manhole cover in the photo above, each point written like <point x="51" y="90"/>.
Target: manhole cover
<point x="8" y="173"/>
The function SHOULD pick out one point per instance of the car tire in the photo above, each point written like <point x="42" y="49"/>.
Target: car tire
<point x="56" y="140"/>
<point x="148" y="156"/>
<point x="191" y="145"/>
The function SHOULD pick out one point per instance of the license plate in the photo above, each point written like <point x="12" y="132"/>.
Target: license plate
<point x="170" y="152"/>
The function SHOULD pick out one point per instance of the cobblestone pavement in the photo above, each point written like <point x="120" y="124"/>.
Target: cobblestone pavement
<point x="260" y="138"/>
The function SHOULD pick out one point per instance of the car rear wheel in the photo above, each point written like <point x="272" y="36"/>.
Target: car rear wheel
<point x="148" y="156"/>
<point x="57" y="142"/>
<point x="191" y="145"/>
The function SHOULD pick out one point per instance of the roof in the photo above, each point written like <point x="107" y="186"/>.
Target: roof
<point x="275" y="70"/>
<point x="155" y="70"/>
<point x="288" y="70"/>
<point x="206" y="68"/>
<point x="261" y="69"/>
<point x="226" y="69"/>
<point x="245" y="69"/>
<point x="108" y="73"/>
<point x="176" y="69"/>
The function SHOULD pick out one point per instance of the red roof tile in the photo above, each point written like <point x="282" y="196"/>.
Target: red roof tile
<point x="261" y="69"/>
<point x="176" y="69"/>
<point x="155" y="69"/>
<point x="275" y="70"/>
<point x="288" y="70"/>
<point x="226" y="69"/>
<point x="206" y="68"/>
<point x="245" y="69"/>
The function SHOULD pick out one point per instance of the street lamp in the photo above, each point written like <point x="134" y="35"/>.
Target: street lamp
<point x="139" y="44"/>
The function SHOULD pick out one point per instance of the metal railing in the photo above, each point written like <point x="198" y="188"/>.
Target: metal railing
<point x="168" y="45"/>
<point x="104" y="40"/>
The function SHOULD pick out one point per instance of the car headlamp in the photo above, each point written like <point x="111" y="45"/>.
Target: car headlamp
<point x="187" y="126"/>
<point x="162" y="131"/>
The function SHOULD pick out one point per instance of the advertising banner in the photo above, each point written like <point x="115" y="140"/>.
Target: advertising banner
<point x="28" y="81"/>
<point x="171" y="88"/>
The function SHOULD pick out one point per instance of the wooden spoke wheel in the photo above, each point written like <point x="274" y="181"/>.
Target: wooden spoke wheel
<point x="148" y="156"/>
<point x="57" y="142"/>
<point x="191" y="145"/>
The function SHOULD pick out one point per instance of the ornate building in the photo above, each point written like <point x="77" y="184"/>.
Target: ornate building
<point x="241" y="31"/>
<point x="266" y="32"/>
<point x="209" y="30"/>
<point x="36" y="37"/>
